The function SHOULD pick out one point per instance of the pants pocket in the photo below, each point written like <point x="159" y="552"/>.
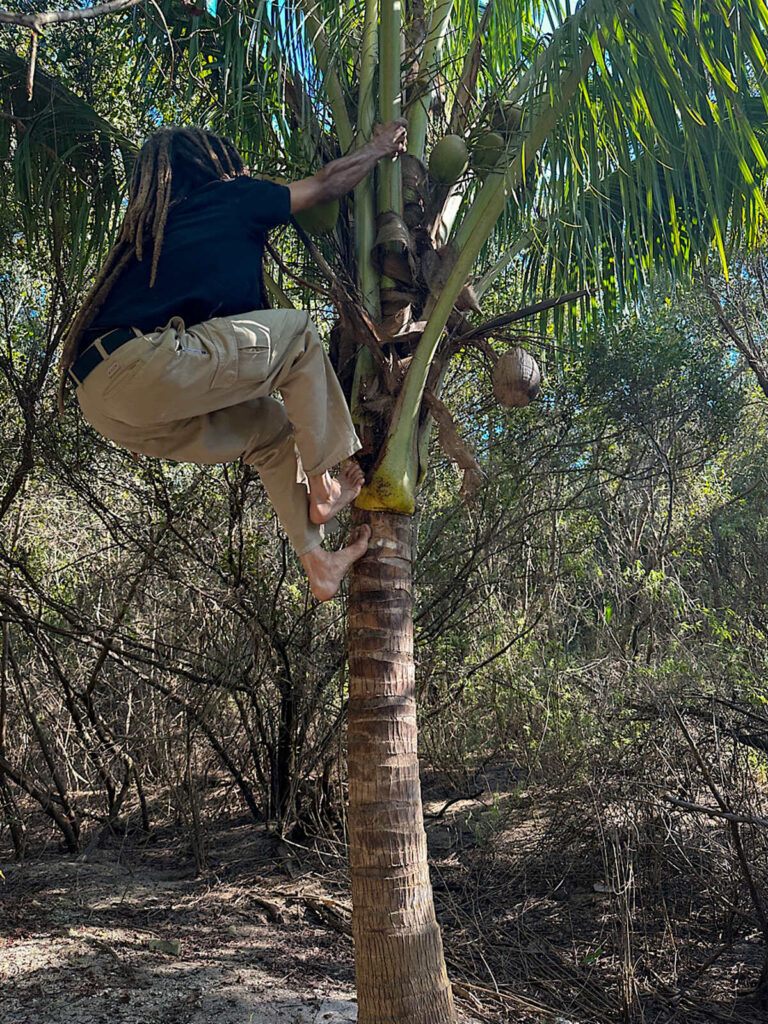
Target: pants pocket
<point x="130" y="387"/>
<point x="244" y="348"/>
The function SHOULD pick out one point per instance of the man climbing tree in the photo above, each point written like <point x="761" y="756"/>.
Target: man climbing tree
<point x="174" y="355"/>
<point x="587" y="143"/>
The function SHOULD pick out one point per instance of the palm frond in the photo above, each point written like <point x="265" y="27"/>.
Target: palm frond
<point x="662" y="157"/>
<point x="63" y="166"/>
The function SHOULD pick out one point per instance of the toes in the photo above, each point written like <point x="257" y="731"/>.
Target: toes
<point x="358" y="539"/>
<point x="354" y="474"/>
<point x="362" y="535"/>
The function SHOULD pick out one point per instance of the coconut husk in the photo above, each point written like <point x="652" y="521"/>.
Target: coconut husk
<point x="375" y="399"/>
<point x="432" y="271"/>
<point x="436" y="267"/>
<point x="414" y="214"/>
<point x="454" y="446"/>
<point x="394" y="299"/>
<point x="467" y="299"/>
<point x="392" y="230"/>
<point x="393" y="236"/>
<point x="393" y="325"/>
<point x="414" y="176"/>
<point x="415" y="188"/>
<point x="516" y="378"/>
<point x="397" y="266"/>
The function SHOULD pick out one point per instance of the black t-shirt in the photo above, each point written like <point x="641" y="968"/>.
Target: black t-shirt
<point x="210" y="262"/>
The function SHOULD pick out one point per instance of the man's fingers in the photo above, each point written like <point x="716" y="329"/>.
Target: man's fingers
<point x="394" y="135"/>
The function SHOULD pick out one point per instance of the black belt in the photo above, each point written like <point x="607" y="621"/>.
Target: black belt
<point x="91" y="357"/>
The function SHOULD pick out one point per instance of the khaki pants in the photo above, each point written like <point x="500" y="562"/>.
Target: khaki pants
<point x="203" y="395"/>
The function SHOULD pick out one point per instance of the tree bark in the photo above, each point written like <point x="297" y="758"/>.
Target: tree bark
<point x="401" y="975"/>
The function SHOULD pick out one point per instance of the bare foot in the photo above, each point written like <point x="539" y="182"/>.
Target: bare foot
<point x="328" y="496"/>
<point x="326" y="569"/>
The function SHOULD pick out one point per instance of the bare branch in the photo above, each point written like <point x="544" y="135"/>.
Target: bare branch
<point x="521" y="314"/>
<point x="32" y="64"/>
<point x="713" y="812"/>
<point x="37" y="22"/>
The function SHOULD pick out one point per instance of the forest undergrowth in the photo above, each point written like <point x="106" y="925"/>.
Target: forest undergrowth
<point x="602" y="899"/>
<point x="591" y="660"/>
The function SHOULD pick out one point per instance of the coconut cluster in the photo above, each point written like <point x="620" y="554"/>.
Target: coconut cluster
<point x="451" y="156"/>
<point x="486" y="149"/>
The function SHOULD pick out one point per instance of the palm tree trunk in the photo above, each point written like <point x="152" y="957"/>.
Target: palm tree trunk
<point x="401" y="975"/>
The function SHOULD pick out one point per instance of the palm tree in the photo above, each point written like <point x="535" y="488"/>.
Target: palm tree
<point x="630" y="139"/>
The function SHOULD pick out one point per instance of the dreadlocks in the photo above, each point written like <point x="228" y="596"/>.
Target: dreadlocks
<point x="171" y="163"/>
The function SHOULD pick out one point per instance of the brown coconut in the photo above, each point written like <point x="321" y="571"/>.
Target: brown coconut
<point x="516" y="378"/>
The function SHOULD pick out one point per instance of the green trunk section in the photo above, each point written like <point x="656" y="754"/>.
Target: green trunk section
<point x="390" y="195"/>
<point x="365" y="213"/>
<point x="365" y="206"/>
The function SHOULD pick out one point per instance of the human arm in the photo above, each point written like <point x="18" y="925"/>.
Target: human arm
<point x="340" y="176"/>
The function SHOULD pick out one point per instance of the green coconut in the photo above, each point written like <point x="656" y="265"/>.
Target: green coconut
<point x="507" y="118"/>
<point x="320" y="219"/>
<point x="448" y="160"/>
<point x="488" y="151"/>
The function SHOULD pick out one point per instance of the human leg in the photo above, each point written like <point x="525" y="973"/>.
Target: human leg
<point x="259" y="431"/>
<point x="272" y="451"/>
<point x="314" y="401"/>
<point x="280" y="350"/>
<point x="202" y="395"/>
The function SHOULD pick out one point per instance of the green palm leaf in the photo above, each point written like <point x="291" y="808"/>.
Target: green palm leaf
<point x="63" y="166"/>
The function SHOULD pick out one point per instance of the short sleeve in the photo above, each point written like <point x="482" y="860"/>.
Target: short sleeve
<point x="266" y="203"/>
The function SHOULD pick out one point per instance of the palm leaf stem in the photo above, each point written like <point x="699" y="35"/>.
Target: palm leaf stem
<point x="418" y="116"/>
<point x="390" y="100"/>
<point x="336" y="96"/>
<point x="464" y="98"/>
<point x="276" y="293"/>
<point x="505" y="319"/>
<point x="364" y="204"/>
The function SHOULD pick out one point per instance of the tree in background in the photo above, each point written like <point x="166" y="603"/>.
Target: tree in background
<point x="591" y="143"/>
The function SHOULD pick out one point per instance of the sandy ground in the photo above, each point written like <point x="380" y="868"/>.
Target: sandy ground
<point x="261" y="939"/>
<point x="127" y="934"/>
<point x="76" y="949"/>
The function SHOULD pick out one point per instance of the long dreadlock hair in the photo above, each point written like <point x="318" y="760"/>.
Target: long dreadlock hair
<point x="171" y="164"/>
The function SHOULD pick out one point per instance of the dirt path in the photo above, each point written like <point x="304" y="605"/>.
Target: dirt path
<point x="76" y="947"/>
<point x="533" y="927"/>
<point x="128" y="935"/>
